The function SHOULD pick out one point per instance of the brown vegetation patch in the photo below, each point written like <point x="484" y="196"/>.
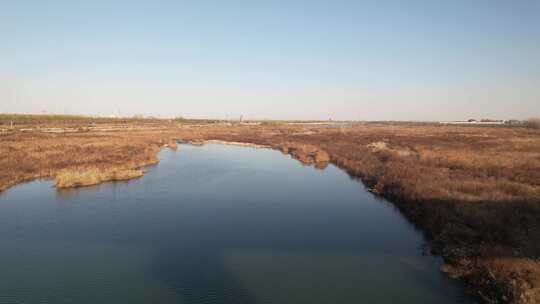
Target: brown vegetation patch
<point x="26" y="156"/>
<point x="306" y="154"/>
<point x="473" y="191"/>
<point x="87" y="177"/>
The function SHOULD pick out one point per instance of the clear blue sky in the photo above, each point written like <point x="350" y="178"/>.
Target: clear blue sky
<point x="369" y="60"/>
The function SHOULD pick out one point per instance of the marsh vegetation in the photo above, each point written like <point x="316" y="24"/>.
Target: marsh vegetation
<point x="474" y="191"/>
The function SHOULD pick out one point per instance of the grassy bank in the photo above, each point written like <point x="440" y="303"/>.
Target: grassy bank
<point x="76" y="158"/>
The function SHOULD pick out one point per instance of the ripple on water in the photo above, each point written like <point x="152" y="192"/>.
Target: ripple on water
<point x="214" y="224"/>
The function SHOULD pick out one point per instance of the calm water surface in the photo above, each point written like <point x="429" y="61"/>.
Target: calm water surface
<point x="214" y="224"/>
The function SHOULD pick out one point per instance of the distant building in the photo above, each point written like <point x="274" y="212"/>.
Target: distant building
<point x="512" y="122"/>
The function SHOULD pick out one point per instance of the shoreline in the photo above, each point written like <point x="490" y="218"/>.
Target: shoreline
<point x="501" y="276"/>
<point x="228" y="143"/>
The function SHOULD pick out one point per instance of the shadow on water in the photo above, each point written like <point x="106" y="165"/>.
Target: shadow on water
<point x="200" y="273"/>
<point x="219" y="224"/>
<point x="196" y="266"/>
<point x="198" y="276"/>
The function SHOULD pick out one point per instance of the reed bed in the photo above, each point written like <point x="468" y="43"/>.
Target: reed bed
<point x="473" y="191"/>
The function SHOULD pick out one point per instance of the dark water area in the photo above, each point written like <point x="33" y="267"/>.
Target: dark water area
<point x="215" y="224"/>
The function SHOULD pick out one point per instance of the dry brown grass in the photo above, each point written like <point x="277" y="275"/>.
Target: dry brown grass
<point x="68" y="178"/>
<point x="26" y="156"/>
<point x="474" y="191"/>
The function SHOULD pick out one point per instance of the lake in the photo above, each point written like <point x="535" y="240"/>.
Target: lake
<point x="215" y="224"/>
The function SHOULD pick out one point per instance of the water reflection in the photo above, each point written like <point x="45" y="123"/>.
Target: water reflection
<point x="215" y="224"/>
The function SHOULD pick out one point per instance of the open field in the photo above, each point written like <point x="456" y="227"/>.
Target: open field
<point x="473" y="191"/>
